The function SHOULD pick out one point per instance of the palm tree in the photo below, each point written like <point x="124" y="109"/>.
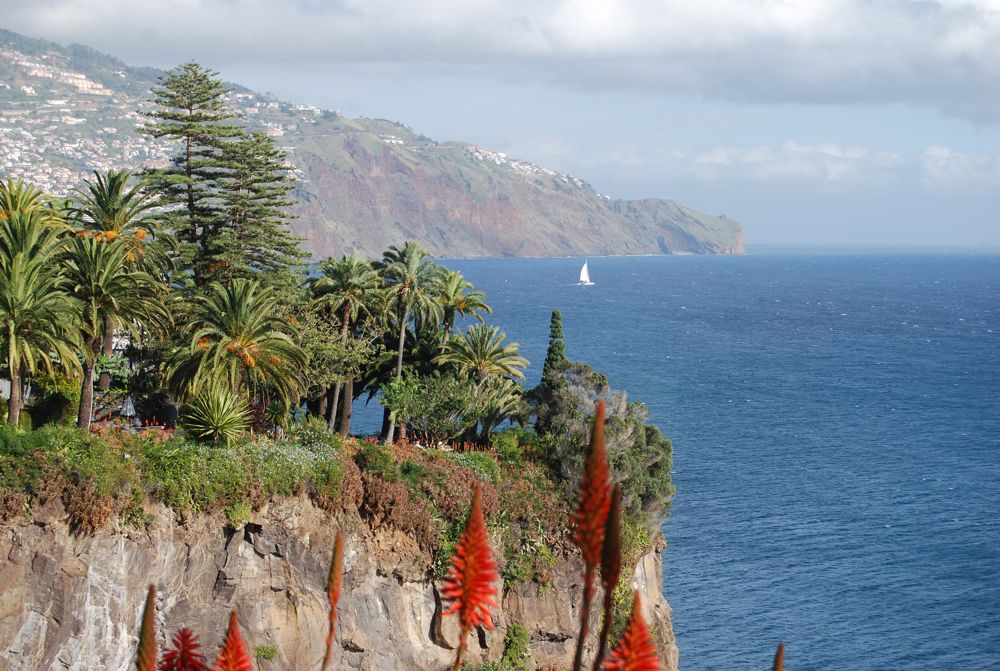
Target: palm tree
<point x="500" y="398"/>
<point x="38" y="317"/>
<point x="110" y="210"/>
<point x="456" y="302"/>
<point x="20" y="196"/>
<point x="114" y="294"/>
<point x="346" y="288"/>
<point x="480" y="352"/>
<point x="412" y="282"/>
<point x="238" y="335"/>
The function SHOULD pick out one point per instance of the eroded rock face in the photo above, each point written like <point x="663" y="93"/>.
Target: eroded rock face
<point x="74" y="602"/>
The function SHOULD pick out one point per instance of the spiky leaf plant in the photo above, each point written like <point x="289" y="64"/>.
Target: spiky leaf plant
<point x="216" y="415"/>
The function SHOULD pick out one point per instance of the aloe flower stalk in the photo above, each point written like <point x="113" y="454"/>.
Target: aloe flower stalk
<point x="779" y="658"/>
<point x="333" y="585"/>
<point x="468" y="587"/>
<point x="635" y="650"/>
<point x="611" y="568"/>
<point x="146" y="654"/>
<point x="184" y="655"/>
<point x="233" y="656"/>
<point x="590" y="521"/>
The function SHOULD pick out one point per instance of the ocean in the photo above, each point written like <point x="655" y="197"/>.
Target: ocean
<point x="836" y="428"/>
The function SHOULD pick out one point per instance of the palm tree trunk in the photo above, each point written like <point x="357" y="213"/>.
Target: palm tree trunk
<point x="16" y="397"/>
<point x="321" y="404"/>
<point x="86" y="396"/>
<point x="85" y="415"/>
<point x="347" y="408"/>
<point x="399" y="367"/>
<point x="107" y="349"/>
<point x="344" y="320"/>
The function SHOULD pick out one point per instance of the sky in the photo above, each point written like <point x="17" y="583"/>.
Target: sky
<point x="810" y="122"/>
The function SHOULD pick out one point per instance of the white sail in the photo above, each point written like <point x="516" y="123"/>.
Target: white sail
<point x="585" y="275"/>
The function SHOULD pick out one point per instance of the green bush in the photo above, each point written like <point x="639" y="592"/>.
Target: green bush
<point x="268" y="652"/>
<point x="516" y="651"/>
<point x="238" y="514"/>
<point x="484" y="464"/>
<point x="377" y="458"/>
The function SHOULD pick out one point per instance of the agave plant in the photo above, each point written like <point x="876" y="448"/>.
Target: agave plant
<point x="216" y="415"/>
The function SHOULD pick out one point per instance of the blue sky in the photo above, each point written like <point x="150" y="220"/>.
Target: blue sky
<point x="844" y="121"/>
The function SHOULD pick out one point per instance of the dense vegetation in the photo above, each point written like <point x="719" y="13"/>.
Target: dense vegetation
<point x="171" y="318"/>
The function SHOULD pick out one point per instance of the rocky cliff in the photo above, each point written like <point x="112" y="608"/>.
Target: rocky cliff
<point x="73" y="602"/>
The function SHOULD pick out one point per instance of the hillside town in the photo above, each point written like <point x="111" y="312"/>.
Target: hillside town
<point x="58" y="126"/>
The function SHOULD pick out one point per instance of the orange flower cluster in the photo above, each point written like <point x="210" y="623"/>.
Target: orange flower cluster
<point x="635" y="650"/>
<point x="185" y="656"/>
<point x="468" y="587"/>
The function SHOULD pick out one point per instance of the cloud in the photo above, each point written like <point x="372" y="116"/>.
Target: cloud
<point x="946" y="167"/>
<point x="943" y="54"/>
<point x="791" y="163"/>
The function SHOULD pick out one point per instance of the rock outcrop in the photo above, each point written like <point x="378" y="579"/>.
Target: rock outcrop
<point x="73" y="602"/>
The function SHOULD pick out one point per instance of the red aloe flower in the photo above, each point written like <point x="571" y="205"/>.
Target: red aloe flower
<point x="595" y="497"/>
<point x="184" y="656"/>
<point x="146" y="654"/>
<point x="333" y="584"/>
<point x="611" y="569"/>
<point x="635" y="650"/>
<point x="590" y="520"/>
<point x="779" y="658"/>
<point x="233" y="656"/>
<point x="469" y="585"/>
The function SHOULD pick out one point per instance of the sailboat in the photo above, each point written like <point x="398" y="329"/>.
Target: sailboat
<point x="585" y="276"/>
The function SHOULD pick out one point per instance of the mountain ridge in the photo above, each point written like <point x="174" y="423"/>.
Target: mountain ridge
<point x="362" y="184"/>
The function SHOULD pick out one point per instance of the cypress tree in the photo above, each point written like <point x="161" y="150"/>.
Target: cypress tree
<point x="191" y="109"/>
<point x="254" y="239"/>
<point x="555" y="356"/>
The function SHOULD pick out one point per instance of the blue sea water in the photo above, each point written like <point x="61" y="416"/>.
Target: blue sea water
<point x="836" y="426"/>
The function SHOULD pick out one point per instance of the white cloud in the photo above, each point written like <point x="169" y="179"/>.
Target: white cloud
<point x="938" y="53"/>
<point x="943" y="166"/>
<point x="790" y="163"/>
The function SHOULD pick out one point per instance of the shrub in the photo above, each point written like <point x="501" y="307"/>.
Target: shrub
<point x="484" y="465"/>
<point x="88" y="509"/>
<point x="268" y="652"/>
<point x="216" y="415"/>
<point x="12" y="504"/>
<point x="238" y="514"/>
<point x="390" y="503"/>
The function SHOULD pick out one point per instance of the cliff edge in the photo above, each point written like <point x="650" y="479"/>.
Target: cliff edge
<point x="70" y="601"/>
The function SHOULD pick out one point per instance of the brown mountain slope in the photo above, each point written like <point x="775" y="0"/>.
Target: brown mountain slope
<point x="372" y="183"/>
<point x="363" y="183"/>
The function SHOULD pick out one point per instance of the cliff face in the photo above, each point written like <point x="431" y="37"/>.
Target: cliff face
<point x="74" y="602"/>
